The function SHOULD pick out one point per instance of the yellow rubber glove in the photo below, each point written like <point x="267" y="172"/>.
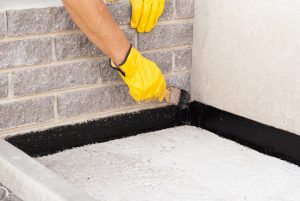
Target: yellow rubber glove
<point x="142" y="76"/>
<point x="145" y="14"/>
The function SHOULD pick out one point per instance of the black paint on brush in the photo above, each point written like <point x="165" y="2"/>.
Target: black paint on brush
<point x="185" y="98"/>
<point x="66" y="137"/>
<point x="263" y="138"/>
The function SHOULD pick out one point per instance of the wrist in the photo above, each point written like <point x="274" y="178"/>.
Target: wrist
<point x="121" y="54"/>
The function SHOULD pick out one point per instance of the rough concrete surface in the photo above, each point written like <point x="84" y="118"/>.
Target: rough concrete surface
<point x="7" y="195"/>
<point x="184" y="163"/>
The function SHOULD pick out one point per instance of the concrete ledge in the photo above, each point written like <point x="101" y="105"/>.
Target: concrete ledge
<point x="31" y="181"/>
<point x="24" y="4"/>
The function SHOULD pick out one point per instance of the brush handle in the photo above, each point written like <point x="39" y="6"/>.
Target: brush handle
<point x="168" y="95"/>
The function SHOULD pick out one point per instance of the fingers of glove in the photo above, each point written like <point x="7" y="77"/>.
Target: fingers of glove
<point x="161" y="8"/>
<point x="135" y="96"/>
<point x="162" y="90"/>
<point x="159" y="88"/>
<point x="137" y="9"/>
<point x="152" y="21"/>
<point x="146" y="13"/>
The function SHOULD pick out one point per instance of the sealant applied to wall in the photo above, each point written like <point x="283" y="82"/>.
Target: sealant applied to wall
<point x="51" y="74"/>
<point x="245" y="59"/>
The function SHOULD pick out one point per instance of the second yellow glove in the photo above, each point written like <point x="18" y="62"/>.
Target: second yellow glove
<point x="145" y="14"/>
<point x="142" y="76"/>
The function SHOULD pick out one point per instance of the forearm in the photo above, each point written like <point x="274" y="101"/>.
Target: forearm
<point x="93" y="18"/>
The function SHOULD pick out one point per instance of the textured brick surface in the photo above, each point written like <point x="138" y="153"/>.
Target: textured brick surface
<point x="107" y="73"/>
<point x="31" y="81"/>
<point x="180" y="81"/>
<point x="3" y="85"/>
<point x="26" y="52"/>
<point x="38" y="21"/>
<point x="162" y="59"/>
<point x="2" y="25"/>
<point x="56" y="77"/>
<point x="74" y="45"/>
<point x="26" y="112"/>
<point x="185" y="8"/>
<point x="167" y="36"/>
<point x="183" y="59"/>
<point x="169" y="10"/>
<point x="121" y="11"/>
<point x="91" y="101"/>
<point x="78" y="45"/>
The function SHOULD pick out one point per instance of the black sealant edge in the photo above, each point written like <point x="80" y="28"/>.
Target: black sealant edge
<point x="61" y="138"/>
<point x="263" y="138"/>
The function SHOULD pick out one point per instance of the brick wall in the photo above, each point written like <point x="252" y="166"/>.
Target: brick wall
<point x="50" y="74"/>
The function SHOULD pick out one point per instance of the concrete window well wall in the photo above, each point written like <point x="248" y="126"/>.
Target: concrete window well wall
<point x="51" y="74"/>
<point x="246" y="59"/>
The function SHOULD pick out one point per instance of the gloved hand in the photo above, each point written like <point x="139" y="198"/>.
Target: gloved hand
<point x="145" y="14"/>
<point x="142" y="76"/>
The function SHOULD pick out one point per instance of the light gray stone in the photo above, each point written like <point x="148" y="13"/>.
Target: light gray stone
<point x="167" y="36"/>
<point x="131" y="35"/>
<point x="121" y="11"/>
<point x="26" y="112"/>
<point x="107" y="73"/>
<point x="185" y="8"/>
<point x="183" y="59"/>
<point x="169" y="10"/>
<point x="75" y="45"/>
<point x="78" y="45"/>
<point x="55" y="77"/>
<point x="2" y="25"/>
<point x="3" y="85"/>
<point x="25" y="52"/>
<point x="162" y="59"/>
<point x="179" y="81"/>
<point x="38" y="21"/>
<point x="94" y="100"/>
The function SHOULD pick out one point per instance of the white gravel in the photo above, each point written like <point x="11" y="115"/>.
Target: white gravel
<point x="183" y="163"/>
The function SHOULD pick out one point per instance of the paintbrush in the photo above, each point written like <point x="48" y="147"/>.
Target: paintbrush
<point x="176" y="96"/>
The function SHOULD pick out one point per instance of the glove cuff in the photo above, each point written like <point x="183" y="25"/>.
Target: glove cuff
<point x="117" y="67"/>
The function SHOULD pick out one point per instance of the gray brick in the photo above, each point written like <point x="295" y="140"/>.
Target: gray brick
<point x="167" y="36"/>
<point x="91" y="101"/>
<point x="78" y="45"/>
<point x="55" y="78"/>
<point x="2" y="25"/>
<point x="38" y="21"/>
<point x="26" y="112"/>
<point x="3" y="85"/>
<point x="131" y="35"/>
<point x="121" y="11"/>
<point x="185" y="8"/>
<point x="180" y="81"/>
<point x="107" y="73"/>
<point x="26" y="52"/>
<point x="183" y="59"/>
<point x="169" y="10"/>
<point x="162" y="59"/>
<point x="75" y="45"/>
